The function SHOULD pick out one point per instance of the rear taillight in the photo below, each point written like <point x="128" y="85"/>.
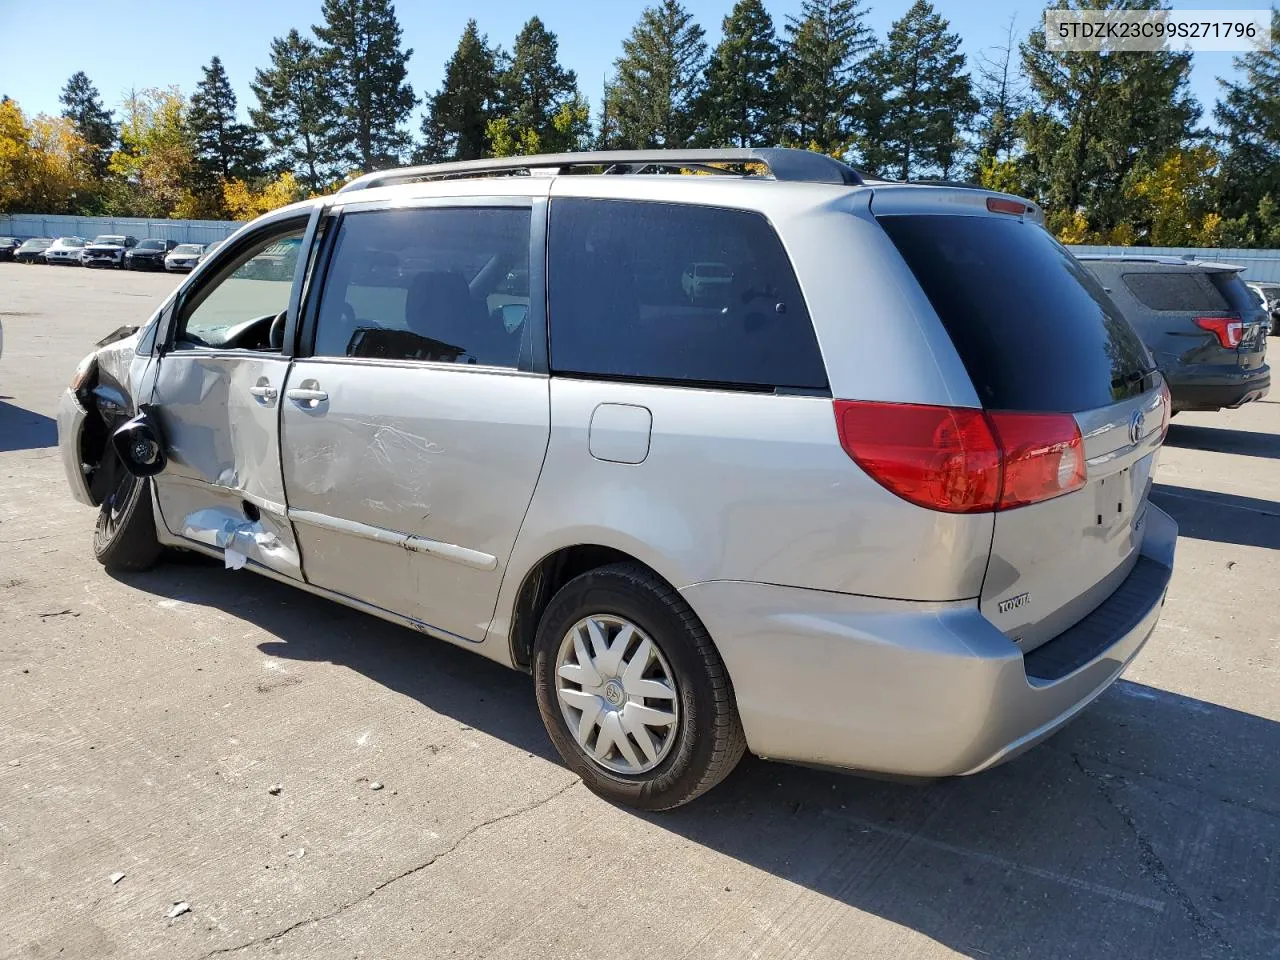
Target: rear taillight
<point x="1228" y="330"/>
<point x="1042" y="454"/>
<point x="960" y="460"/>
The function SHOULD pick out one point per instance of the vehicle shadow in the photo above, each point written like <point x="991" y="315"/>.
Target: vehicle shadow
<point x="1223" y="440"/>
<point x="22" y="429"/>
<point x="1150" y="827"/>
<point x="1225" y="517"/>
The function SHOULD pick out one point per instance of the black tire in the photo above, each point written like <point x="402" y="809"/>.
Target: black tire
<point x="709" y="740"/>
<point x="124" y="537"/>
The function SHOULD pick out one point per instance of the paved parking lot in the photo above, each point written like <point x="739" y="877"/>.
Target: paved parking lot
<point x="143" y="719"/>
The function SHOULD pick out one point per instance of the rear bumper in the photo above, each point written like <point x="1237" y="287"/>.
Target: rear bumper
<point x="916" y="689"/>
<point x="71" y="420"/>
<point x="1217" y="390"/>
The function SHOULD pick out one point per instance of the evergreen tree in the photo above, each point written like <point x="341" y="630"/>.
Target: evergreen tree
<point x="224" y="147"/>
<point x="926" y="94"/>
<point x="1249" y="113"/>
<point x="365" y="70"/>
<point x="741" y="101"/>
<point x="536" y="90"/>
<point x="95" y="124"/>
<point x="455" y="126"/>
<point x="821" y="74"/>
<point x="1002" y="99"/>
<point x="1100" y="121"/>
<point x="294" y="111"/>
<point x="657" y="85"/>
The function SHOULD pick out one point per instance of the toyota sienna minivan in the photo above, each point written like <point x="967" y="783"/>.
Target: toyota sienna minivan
<point x="878" y="500"/>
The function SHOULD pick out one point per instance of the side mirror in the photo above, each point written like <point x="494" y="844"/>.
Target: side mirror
<point x="140" y="446"/>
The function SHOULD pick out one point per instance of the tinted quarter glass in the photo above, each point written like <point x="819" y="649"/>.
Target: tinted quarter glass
<point x="449" y="285"/>
<point x="1175" y="291"/>
<point x="672" y="293"/>
<point x="1035" y="331"/>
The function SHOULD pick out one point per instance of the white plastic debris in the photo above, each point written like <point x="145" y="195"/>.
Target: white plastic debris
<point x="275" y="789"/>
<point x="375" y="785"/>
<point x="178" y="909"/>
<point x="117" y="877"/>
<point x="15" y="763"/>
<point x="299" y="853"/>
<point x="234" y="558"/>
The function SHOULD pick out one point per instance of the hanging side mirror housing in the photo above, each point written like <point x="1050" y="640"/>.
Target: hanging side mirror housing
<point x="140" y="445"/>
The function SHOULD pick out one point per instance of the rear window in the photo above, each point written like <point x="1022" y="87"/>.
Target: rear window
<point x="1175" y="291"/>
<point x="1033" y="328"/>
<point x="676" y="294"/>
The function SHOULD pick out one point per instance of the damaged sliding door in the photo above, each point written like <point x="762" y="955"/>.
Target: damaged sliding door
<point x="217" y="397"/>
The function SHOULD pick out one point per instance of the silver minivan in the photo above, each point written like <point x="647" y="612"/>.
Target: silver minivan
<point x="876" y="499"/>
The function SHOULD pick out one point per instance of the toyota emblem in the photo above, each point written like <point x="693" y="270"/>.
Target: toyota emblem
<point x="1137" y="425"/>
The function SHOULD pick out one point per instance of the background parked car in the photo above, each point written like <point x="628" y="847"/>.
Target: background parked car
<point x="1203" y="326"/>
<point x="66" y="250"/>
<point x="8" y="245"/>
<point x="108" y="250"/>
<point x="184" y="257"/>
<point x="209" y="248"/>
<point x="148" y="254"/>
<point x="1270" y="294"/>
<point x="32" y="251"/>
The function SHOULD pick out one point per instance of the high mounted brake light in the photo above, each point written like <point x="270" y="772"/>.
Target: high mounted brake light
<point x="1000" y="205"/>
<point x="961" y="460"/>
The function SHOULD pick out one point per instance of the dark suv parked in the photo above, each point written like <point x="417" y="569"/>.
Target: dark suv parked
<point x="148" y="255"/>
<point x="1204" y="328"/>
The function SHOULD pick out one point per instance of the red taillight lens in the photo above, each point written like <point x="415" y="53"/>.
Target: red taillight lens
<point x="960" y="460"/>
<point x="938" y="457"/>
<point x="1228" y="330"/>
<point x="1043" y="456"/>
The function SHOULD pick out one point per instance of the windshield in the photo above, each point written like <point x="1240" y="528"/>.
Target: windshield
<point x="187" y="248"/>
<point x="71" y="241"/>
<point x="151" y="245"/>
<point x="117" y="241"/>
<point x="37" y="244"/>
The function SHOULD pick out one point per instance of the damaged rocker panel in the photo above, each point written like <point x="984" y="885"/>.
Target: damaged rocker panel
<point x="436" y="548"/>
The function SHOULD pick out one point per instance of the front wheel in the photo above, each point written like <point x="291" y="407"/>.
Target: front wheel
<point x="632" y="691"/>
<point x="124" y="538"/>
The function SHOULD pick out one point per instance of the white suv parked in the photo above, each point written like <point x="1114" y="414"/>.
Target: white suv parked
<point x="869" y="492"/>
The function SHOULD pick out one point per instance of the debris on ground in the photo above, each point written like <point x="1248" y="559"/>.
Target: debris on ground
<point x="15" y="763"/>
<point x="178" y="909"/>
<point x="116" y="877"/>
<point x="299" y="853"/>
<point x="275" y="789"/>
<point x="375" y="785"/>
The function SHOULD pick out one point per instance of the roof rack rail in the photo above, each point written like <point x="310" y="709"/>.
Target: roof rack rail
<point x="803" y="166"/>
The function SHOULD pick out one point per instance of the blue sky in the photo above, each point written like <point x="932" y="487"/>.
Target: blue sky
<point x="156" y="43"/>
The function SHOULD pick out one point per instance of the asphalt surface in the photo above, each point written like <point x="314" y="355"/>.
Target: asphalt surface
<point x="144" y="719"/>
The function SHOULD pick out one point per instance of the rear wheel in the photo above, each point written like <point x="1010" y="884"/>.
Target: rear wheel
<point x="124" y="538"/>
<point x="632" y="691"/>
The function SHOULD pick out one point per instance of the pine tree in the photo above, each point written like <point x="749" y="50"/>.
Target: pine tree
<point x="1002" y="98"/>
<point x="926" y="94"/>
<point x="1100" y="121"/>
<point x="821" y="74"/>
<point x="224" y="147"/>
<point x="294" y="111"/>
<point x="741" y="102"/>
<point x="1249" y="113"/>
<point x="365" y="72"/>
<point x="536" y="90"/>
<point x="94" y="123"/>
<point x="656" y="88"/>
<point x="455" y="126"/>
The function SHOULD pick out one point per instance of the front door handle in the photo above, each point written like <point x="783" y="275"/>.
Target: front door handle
<point x="262" y="392"/>
<point x="306" y="395"/>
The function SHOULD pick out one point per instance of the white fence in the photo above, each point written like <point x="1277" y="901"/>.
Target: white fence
<point x="1258" y="264"/>
<point x="180" y="231"/>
